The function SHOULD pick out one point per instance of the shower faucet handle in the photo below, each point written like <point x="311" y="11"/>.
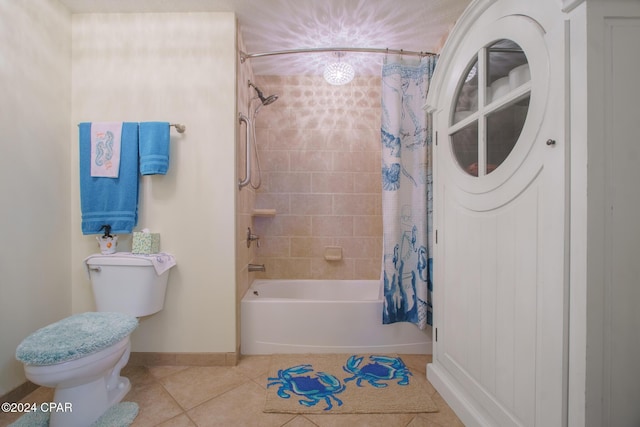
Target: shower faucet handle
<point x="251" y="237"/>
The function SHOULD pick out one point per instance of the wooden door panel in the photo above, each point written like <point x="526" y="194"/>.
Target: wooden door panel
<point x="490" y="302"/>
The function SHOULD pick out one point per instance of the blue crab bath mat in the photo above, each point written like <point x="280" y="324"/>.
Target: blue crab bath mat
<point x="345" y="384"/>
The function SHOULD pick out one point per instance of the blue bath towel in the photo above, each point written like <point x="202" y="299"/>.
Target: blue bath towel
<point x="108" y="200"/>
<point x="154" y="148"/>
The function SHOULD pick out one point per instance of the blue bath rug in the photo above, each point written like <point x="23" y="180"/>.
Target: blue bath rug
<point x="32" y="419"/>
<point x="345" y="384"/>
<point x="119" y="415"/>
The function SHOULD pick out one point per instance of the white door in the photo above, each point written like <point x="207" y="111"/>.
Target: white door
<point x="500" y="214"/>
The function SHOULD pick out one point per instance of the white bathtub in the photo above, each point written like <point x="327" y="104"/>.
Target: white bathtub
<point x="323" y="316"/>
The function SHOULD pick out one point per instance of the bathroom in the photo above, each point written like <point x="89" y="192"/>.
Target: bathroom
<point x="182" y="67"/>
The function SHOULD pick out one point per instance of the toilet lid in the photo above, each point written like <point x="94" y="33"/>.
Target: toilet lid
<point x="75" y="337"/>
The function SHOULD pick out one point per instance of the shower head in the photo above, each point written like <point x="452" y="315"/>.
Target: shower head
<point x="269" y="99"/>
<point x="265" y="100"/>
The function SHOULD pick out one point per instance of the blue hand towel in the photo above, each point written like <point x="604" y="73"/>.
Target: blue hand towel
<point x="154" y="148"/>
<point x="108" y="200"/>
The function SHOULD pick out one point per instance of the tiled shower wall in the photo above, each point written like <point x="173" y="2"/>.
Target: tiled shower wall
<point x="319" y="148"/>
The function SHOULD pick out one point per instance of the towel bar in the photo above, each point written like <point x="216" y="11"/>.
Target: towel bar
<point x="179" y="127"/>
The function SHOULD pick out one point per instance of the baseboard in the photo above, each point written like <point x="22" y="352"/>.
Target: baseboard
<point x="138" y="358"/>
<point x="19" y="392"/>
<point x="458" y="399"/>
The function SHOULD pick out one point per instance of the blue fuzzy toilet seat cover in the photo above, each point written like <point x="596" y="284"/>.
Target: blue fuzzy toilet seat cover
<point x="74" y="337"/>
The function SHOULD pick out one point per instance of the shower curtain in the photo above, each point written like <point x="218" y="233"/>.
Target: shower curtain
<point x="406" y="193"/>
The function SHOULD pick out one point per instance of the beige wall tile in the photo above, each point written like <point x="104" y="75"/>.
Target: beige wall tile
<point x="302" y="247"/>
<point x="367" y="183"/>
<point x="368" y="226"/>
<point x="355" y="204"/>
<point x="283" y="225"/>
<point x="332" y="270"/>
<point x="321" y="164"/>
<point x="368" y="268"/>
<point x="332" y="225"/>
<point x="274" y="118"/>
<point x="311" y="204"/>
<point x="287" y="138"/>
<point x="360" y="247"/>
<point x="311" y="160"/>
<point x="275" y="246"/>
<point x="274" y="161"/>
<point x="277" y="201"/>
<point x="287" y="268"/>
<point x="355" y="162"/>
<point x="333" y="182"/>
<point x="289" y="182"/>
<point x="310" y="247"/>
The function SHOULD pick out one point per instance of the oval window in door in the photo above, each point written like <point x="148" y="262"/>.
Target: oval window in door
<point x="490" y="107"/>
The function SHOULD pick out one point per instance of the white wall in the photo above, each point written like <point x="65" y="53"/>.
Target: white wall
<point x="56" y="71"/>
<point x="177" y="67"/>
<point x="35" y="70"/>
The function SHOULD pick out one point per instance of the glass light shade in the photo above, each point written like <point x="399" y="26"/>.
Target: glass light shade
<point x="339" y="73"/>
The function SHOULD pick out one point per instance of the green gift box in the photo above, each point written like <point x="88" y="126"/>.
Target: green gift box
<point x="145" y="243"/>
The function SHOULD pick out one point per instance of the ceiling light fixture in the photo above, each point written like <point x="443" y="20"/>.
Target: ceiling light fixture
<point x="339" y="73"/>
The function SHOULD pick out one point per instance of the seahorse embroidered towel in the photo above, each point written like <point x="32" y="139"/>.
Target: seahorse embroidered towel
<point x="154" y="148"/>
<point x="105" y="149"/>
<point x="108" y="200"/>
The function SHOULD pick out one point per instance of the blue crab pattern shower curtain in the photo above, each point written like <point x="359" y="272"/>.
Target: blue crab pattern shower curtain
<point x="406" y="193"/>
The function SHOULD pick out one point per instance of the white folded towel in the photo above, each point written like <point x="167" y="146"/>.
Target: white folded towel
<point x="105" y="149"/>
<point x="161" y="261"/>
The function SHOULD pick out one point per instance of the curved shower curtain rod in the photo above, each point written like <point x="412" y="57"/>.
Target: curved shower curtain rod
<point x="244" y="56"/>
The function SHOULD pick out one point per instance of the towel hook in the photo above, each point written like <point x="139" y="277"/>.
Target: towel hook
<point x="180" y="128"/>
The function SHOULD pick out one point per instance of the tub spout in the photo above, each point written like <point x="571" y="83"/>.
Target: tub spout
<point x="257" y="267"/>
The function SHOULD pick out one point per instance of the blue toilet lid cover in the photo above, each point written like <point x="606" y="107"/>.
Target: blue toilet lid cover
<point x="74" y="337"/>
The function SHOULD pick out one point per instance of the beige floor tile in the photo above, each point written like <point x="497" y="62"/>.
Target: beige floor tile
<point x="360" y="420"/>
<point x="445" y="417"/>
<point x="140" y="376"/>
<point x="40" y="395"/>
<point x="164" y="371"/>
<point x="198" y="384"/>
<point x="300" y="421"/>
<point x="241" y="406"/>
<point x="155" y="405"/>
<point x="423" y="422"/>
<point x="255" y="367"/>
<point x="181" y="420"/>
<point x="416" y="362"/>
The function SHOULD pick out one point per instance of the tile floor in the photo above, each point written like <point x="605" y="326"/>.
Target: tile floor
<point x="182" y="396"/>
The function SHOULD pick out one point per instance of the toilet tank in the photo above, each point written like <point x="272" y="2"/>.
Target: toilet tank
<point x="126" y="284"/>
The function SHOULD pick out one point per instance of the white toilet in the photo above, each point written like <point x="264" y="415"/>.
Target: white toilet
<point x="81" y="356"/>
